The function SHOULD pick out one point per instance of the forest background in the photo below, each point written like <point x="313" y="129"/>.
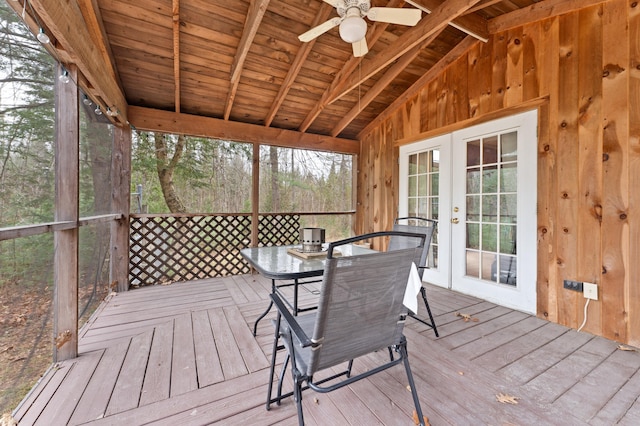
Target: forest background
<point x="170" y="174"/>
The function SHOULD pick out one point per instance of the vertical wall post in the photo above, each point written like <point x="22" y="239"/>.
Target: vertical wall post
<point x="120" y="203"/>
<point x="65" y="258"/>
<point x="255" y="194"/>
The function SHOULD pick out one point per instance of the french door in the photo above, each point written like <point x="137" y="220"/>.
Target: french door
<point x="480" y="184"/>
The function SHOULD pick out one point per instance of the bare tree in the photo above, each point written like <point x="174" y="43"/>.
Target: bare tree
<point x="166" y="168"/>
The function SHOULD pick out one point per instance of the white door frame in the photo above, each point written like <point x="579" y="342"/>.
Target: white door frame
<point x="452" y="239"/>
<point x="442" y="275"/>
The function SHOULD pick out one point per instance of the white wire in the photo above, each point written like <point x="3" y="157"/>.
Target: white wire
<point x="586" y="305"/>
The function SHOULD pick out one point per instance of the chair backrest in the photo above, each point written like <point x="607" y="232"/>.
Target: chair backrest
<point x="424" y="226"/>
<point x="361" y="302"/>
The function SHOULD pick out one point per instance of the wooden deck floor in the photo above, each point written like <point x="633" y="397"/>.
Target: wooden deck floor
<point x="184" y="355"/>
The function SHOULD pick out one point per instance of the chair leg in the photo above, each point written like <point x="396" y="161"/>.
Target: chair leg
<point x="297" y="396"/>
<point x="274" y="353"/>
<point x="426" y="304"/>
<point x="281" y="378"/>
<point x="412" y="384"/>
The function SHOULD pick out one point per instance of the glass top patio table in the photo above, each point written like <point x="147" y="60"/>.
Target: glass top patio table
<point x="277" y="263"/>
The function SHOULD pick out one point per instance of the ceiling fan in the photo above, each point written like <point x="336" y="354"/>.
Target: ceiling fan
<point x="353" y="27"/>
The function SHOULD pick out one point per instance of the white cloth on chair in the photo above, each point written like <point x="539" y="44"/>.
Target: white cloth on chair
<point x="414" y="283"/>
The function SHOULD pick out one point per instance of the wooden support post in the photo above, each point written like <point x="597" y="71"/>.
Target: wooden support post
<point x="65" y="275"/>
<point x="255" y="194"/>
<point x="120" y="203"/>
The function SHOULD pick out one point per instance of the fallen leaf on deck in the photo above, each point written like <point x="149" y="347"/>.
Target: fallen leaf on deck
<point x="316" y="401"/>
<point x="63" y="338"/>
<point x="507" y="399"/>
<point x="415" y="419"/>
<point x="627" y="348"/>
<point x="7" y="420"/>
<point x="466" y="317"/>
<point x="461" y="373"/>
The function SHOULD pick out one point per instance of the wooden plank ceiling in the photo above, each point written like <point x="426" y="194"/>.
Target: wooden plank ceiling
<point x="241" y="61"/>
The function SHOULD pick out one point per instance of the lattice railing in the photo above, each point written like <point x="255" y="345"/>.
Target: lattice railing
<point x="278" y="229"/>
<point x="169" y="248"/>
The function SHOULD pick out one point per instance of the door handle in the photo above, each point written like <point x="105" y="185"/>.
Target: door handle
<point x="455" y="220"/>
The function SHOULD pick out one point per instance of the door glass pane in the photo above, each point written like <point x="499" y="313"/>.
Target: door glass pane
<point x="490" y="179"/>
<point x="422" y="185"/>
<point x="473" y="181"/>
<point x="491" y="184"/>
<point x="413" y="164"/>
<point x="508" y="239"/>
<point x="473" y="153"/>
<point x="490" y="150"/>
<point x="473" y="236"/>
<point x="509" y="147"/>
<point x="423" y="192"/>
<point x="508" y="208"/>
<point x="413" y="186"/>
<point x="423" y="162"/>
<point x="473" y="264"/>
<point x="509" y="178"/>
<point x="473" y="208"/>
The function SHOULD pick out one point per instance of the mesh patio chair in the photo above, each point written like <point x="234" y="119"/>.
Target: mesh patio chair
<point x="422" y="226"/>
<point x="360" y="311"/>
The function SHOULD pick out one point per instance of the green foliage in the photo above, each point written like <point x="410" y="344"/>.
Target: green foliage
<point x="26" y="125"/>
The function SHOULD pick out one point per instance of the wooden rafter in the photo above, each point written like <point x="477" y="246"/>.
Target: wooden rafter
<point x="257" y="9"/>
<point x="176" y="52"/>
<point x="382" y="83"/>
<point x="481" y="5"/>
<point x="429" y="25"/>
<point x="374" y="34"/>
<point x="187" y="124"/>
<point x="301" y="56"/>
<point x="67" y="24"/>
<point x="454" y="54"/>
<point x="93" y="18"/>
<point x="538" y="11"/>
<point x="471" y="24"/>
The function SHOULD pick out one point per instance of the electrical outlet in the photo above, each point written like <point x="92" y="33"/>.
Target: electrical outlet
<point x="590" y="291"/>
<point x="573" y="285"/>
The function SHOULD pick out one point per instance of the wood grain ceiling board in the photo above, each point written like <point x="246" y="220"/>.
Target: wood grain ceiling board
<point x="141" y="38"/>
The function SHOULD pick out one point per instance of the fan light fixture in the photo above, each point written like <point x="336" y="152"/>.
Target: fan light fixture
<point x="43" y="37"/>
<point x="353" y="29"/>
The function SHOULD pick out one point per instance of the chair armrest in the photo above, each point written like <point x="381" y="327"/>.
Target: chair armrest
<point x="295" y="328"/>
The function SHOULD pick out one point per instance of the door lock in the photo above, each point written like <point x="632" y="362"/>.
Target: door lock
<point x="455" y="220"/>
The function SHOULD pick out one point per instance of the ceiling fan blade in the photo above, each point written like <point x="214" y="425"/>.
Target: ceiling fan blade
<point x="395" y="15"/>
<point x="360" y="48"/>
<point x="319" y="30"/>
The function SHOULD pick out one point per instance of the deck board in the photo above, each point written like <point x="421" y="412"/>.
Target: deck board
<point x="185" y="354"/>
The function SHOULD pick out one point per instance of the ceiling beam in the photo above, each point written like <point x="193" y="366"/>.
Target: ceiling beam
<point x="155" y="120"/>
<point x="301" y="56"/>
<point x="65" y="20"/>
<point x="454" y="54"/>
<point x="388" y="77"/>
<point x="257" y="9"/>
<point x="536" y="12"/>
<point x="93" y="18"/>
<point x="481" y="5"/>
<point x="429" y="25"/>
<point x="175" y="12"/>
<point x="375" y="32"/>
<point x="470" y="23"/>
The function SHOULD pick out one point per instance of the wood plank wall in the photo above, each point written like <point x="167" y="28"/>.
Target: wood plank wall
<point x="582" y="71"/>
